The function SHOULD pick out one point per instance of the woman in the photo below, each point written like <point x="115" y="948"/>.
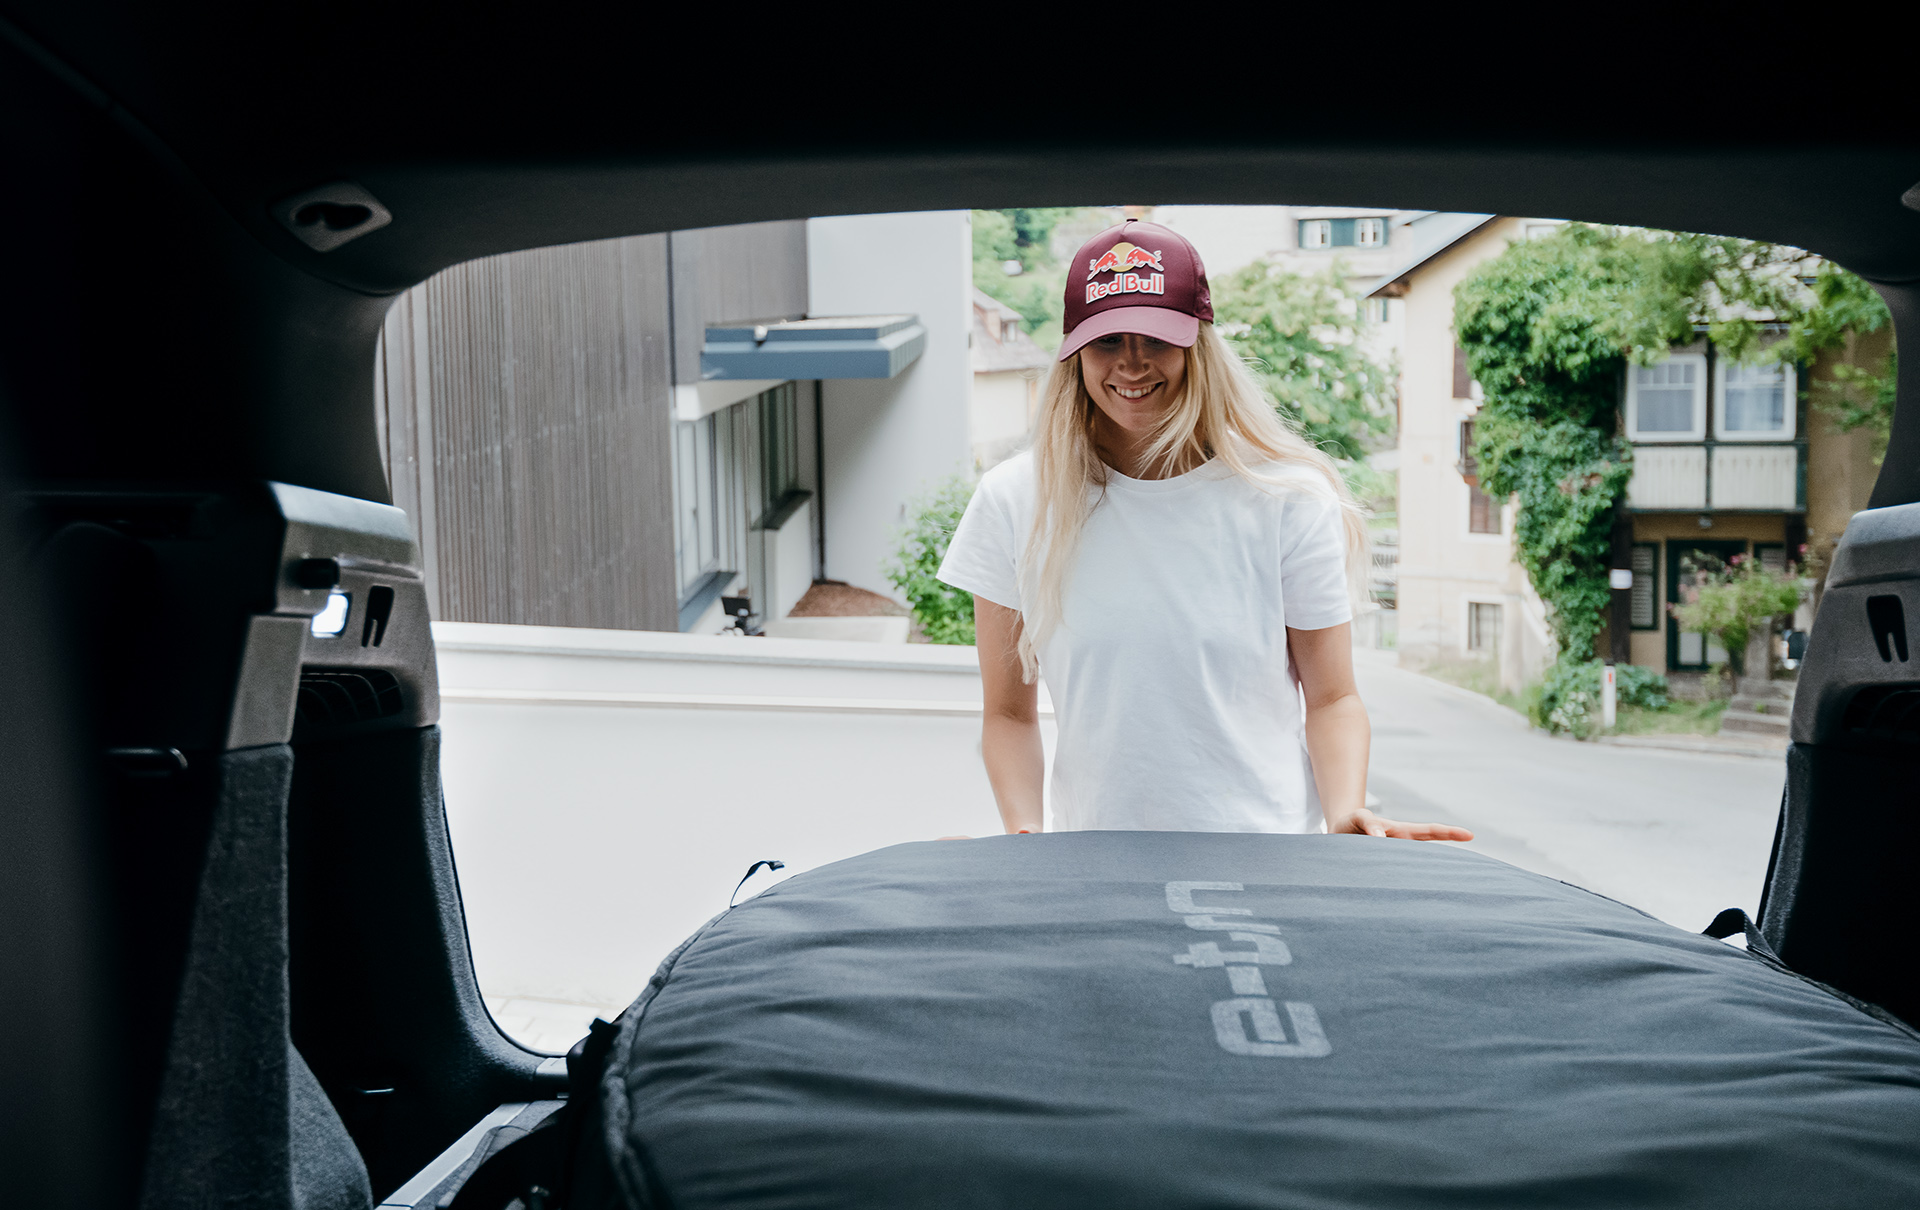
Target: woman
<point x="1181" y="565"/>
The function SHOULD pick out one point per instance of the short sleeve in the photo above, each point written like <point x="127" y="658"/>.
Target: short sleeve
<point x="983" y="556"/>
<point x="1313" y="565"/>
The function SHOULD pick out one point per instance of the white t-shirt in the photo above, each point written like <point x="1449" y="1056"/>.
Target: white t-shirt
<point x="1176" y="707"/>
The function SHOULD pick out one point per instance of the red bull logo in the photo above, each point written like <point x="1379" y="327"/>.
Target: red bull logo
<point x="1122" y="257"/>
<point x="1118" y="260"/>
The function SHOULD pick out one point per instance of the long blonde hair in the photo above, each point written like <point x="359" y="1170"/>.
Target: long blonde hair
<point x="1219" y="413"/>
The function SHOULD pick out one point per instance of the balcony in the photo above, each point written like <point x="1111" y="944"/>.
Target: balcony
<point x="1718" y="477"/>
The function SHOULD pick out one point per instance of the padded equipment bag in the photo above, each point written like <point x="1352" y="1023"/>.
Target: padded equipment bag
<point x="1131" y="1019"/>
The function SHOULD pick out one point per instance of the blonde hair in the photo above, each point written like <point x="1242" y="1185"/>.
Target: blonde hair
<point x="1219" y="413"/>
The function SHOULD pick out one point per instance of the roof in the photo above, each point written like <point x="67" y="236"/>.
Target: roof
<point x="987" y="302"/>
<point x="1014" y="351"/>
<point x="1430" y="242"/>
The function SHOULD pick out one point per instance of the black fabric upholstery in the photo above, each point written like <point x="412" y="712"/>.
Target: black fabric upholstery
<point x="1113" y="1019"/>
<point x="241" y="1122"/>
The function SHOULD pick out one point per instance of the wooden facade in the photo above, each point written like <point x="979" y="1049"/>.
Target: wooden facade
<point x="526" y="410"/>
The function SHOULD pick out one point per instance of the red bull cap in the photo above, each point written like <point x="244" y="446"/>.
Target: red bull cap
<point x="1137" y="277"/>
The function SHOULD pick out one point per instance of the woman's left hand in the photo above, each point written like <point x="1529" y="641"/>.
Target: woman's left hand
<point x="1365" y="823"/>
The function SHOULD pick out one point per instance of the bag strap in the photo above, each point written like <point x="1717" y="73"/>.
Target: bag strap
<point x="1736" y="920"/>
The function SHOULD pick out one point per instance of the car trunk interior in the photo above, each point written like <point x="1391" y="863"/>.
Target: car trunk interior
<point x="215" y="848"/>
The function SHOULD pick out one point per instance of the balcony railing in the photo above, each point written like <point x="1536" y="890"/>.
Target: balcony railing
<point x="1718" y="476"/>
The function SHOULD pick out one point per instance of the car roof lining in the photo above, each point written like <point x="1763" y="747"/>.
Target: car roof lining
<point x="492" y="137"/>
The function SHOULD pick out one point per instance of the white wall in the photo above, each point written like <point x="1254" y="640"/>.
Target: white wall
<point x="605" y="789"/>
<point x="887" y="441"/>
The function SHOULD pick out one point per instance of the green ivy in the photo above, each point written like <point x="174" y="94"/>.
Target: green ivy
<point x="945" y="613"/>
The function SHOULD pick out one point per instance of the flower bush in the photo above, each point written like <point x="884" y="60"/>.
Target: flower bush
<point x="1731" y="600"/>
<point x="945" y="614"/>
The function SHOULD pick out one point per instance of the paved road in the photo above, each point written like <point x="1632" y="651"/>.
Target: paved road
<point x="1677" y="834"/>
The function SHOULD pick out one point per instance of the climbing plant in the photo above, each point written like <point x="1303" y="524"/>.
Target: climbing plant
<point x="1548" y="327"/>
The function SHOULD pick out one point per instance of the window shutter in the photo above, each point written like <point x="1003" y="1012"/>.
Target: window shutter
<point x="1462" y="380"/>
<point x="1641" y="603"/>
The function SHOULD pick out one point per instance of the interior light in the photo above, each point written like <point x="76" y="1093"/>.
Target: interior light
<point x="330" y="621"/>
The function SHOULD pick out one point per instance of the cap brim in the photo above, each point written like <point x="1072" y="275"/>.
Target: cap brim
<point x="1161" y="323"/>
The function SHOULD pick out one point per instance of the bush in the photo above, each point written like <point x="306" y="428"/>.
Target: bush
<point x="1569" y="698"/>
<point x="1735" y="598"/>
<point x="944" y="613"/>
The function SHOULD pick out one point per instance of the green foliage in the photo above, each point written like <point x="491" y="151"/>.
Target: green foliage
<point x="1548" y="326"/>
<point x="1730" y="600"/>
<point x="1301" y="336"/>
<point x="1569" y="699"/>
<point x="945" y="613"/>
<point x="1024" y="235"/>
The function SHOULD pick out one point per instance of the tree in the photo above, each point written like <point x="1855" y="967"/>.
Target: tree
<point x="1302" y="337"/>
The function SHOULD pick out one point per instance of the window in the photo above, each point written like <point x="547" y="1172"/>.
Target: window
<point x="1667" y="401"/>
<point x="1377" y="310"/>
<point x="706" y="488"/>
<point x="1483" y="511"/>
<point x="1483" y="626"/>
<point x="778" y="419"/>
<point x="1343" y="233"/>
<point x="1641" y="612"/>
<point x="1753" y="403"/>
<point x="1462" y="376"/>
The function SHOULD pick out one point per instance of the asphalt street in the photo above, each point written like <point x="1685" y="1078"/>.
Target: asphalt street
<point x="1679" y="835"/>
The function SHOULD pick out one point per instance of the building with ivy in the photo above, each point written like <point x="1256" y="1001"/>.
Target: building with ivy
<point x="1729" y="459"/>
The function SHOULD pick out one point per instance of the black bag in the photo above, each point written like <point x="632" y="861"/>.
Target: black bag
<point x="1109" y="1019"/>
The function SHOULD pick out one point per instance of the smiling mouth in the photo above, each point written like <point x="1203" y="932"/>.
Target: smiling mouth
<point x="1135" y="392"/>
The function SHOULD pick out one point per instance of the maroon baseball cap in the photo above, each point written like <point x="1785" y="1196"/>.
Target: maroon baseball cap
<point x="1137" y="277"/>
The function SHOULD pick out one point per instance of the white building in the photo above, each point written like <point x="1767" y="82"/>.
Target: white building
<point x="629" y="434"/>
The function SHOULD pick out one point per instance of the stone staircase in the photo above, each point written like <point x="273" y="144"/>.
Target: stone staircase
<point x="1760" y="708"/>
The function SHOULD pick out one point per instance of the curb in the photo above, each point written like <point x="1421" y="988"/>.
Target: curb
<point x="1699" y="743"/>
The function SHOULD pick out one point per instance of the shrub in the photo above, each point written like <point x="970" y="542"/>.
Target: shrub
<point x="1569" y="699"/>
<point x="944" y="613"/>
<point x="1732" y="599"/>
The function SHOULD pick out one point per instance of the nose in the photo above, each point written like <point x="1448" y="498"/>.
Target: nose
<point x="1133" y="353"/>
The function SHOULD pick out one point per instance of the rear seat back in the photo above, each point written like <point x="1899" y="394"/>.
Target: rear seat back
<point x="1838" y="888"/>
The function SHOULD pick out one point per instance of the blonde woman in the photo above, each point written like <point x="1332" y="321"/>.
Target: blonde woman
<point x="1180" y="564"/>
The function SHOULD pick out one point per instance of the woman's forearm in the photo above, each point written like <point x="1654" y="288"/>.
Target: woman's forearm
<point x="1016" y="766"/>
<point x="1338" y="735"/>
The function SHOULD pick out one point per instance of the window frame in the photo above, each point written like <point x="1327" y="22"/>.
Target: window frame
<point x="1700" y="387"/>
<point x="1790" y="379"/>
<point x="1363" y="225"/>
<point x="1321" y="227"/>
